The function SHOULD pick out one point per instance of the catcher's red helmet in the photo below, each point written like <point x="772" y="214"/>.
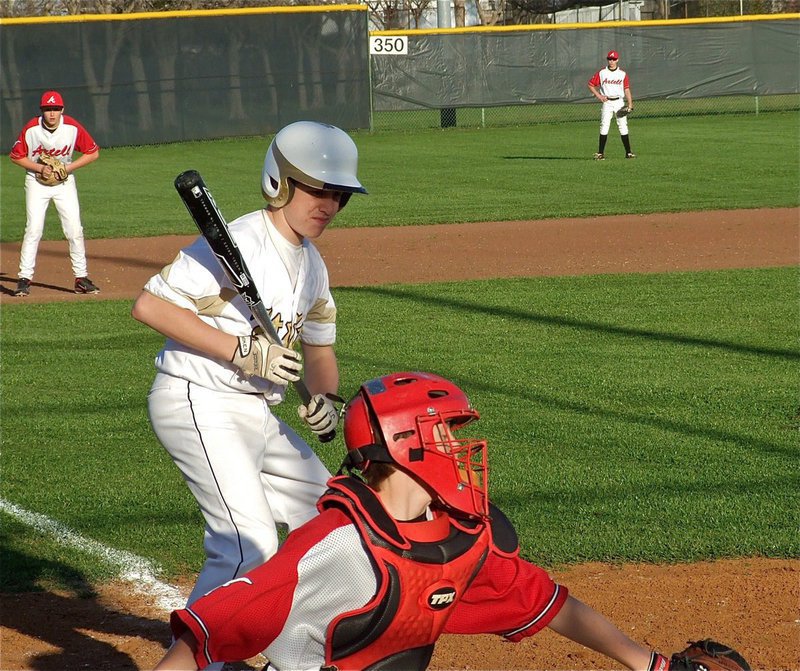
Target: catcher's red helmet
<point x="408" y="419"/>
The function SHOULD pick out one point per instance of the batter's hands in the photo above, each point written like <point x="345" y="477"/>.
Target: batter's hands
<point x="321" y="414"/>
<point x="256" y="355"/>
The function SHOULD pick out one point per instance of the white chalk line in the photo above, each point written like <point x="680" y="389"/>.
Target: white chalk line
<point x="140" y="572"/>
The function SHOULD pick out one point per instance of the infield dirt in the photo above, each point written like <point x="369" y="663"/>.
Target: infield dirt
<point x="753" y="603"/>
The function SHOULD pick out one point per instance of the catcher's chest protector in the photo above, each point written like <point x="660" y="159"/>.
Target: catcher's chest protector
<point x="419" y="583"/>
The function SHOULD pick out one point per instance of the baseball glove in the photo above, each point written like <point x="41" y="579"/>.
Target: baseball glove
<point x="623" y="111"/>
<point x="58" y="174"/>
<point x="708" y="655"/>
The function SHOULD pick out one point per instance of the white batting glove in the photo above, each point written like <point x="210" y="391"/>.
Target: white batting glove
<point x="256" y="355"/>
<point x="321" y="414"/>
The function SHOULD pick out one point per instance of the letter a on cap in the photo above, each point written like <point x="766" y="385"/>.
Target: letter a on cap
<point x="51" y="99"/>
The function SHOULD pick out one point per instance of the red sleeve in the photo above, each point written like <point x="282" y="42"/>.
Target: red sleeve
<point x="84" y="143"/>
<point x="626" y="84"/>
<point x="20" y="148"/>
<point x="509" y="597"/>
<point x="595" y="80"/>
<point x="242" y="617"/>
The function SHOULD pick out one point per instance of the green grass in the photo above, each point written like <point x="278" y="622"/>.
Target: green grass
<point x="457" y="175"/>
<point x="629" y="417"/>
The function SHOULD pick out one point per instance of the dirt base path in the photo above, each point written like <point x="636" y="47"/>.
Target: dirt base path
<point x="644" y="243"/>
<point x="753" y="604"/>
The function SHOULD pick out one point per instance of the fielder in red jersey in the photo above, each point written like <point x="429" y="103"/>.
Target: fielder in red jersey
<point x="408" y="551"/>
<point x="612" y="87"/>
<point x="57" y="135"/>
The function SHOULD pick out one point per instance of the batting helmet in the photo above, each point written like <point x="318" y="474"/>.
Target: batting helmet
<point x="315" y="154"/>
<point x="408" y="420"/>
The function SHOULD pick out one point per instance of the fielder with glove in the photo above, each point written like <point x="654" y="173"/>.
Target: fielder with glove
<point x="218" y="379"/>
<point x="44" y="149"/>
<point x="406" y="547"/>
<point x="611" y="86"/>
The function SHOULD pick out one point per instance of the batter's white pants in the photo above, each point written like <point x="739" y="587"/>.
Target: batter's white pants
<point x="37" y="199"/>
<point x="247" y="469"/>
<point x="608" y="112"/>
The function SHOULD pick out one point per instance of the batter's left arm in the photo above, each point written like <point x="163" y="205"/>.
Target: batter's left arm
<point x="321" y="369"/>
<point x="629" y="97"/>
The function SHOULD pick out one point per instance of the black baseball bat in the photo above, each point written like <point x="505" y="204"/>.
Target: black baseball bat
<point x="206" y="215"/>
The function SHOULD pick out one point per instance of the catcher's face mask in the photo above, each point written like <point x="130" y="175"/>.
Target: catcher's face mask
<point x="410" y="420"/>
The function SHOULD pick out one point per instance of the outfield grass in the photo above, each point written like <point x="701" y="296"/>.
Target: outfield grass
<point x="630" y="417"/>
<point x="457" y="175"/>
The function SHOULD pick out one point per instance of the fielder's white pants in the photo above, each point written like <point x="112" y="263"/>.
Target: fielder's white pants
<point x="37" y="199"/>
<point x="247" y="469"/>
<point x="608" y="112"/>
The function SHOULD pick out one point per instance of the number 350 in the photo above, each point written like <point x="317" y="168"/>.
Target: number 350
<point x="379" y="44"/>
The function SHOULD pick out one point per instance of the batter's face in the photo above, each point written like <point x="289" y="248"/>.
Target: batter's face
<point x="612" y="63"/>
<point x="308" y="213"/>
<point x="51" y="116"/>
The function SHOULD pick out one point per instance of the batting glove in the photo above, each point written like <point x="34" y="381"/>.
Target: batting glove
<point x="321" y="414"/>
<point x="256" y="355"/>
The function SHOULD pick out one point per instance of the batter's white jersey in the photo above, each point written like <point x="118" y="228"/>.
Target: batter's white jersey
<point x="196" y="282"/>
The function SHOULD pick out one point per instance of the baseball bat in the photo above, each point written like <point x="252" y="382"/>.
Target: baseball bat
<point x="209" y="220"/>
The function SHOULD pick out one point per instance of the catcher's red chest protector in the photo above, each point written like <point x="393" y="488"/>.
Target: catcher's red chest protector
<point x="419" y="583"/>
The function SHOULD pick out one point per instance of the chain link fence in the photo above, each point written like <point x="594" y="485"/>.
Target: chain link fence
<point x="524" y="115"/>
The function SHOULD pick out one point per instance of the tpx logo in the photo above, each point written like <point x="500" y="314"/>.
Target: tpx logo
<point x="441" y="598"/>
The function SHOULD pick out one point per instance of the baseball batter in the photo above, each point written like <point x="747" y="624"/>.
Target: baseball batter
<point x="56" y="135"/>
<point x="217" y="377"/>
<point x="413" y="550"/>
<point x="611" y="86"/>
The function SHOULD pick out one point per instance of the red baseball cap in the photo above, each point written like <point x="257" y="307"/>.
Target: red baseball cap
<point x="613" y="54"/>
<point x="51" y="99"/>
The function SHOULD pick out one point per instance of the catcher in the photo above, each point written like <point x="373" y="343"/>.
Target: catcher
<point x="410" y="549"/>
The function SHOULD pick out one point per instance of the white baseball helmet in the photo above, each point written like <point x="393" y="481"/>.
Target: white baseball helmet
<point x="315" y="154"/>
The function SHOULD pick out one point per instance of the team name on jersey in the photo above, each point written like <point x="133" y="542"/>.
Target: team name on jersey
<point x="292" y="328"/>
<point x="619" y="81"/>
<point x="64" y="151"/>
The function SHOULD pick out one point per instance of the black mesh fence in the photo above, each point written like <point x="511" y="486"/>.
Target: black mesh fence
<point x="151" y="80"/>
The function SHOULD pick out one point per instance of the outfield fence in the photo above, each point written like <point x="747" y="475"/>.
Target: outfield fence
<point x="175" y="76"/>
<point x="510" y="75"/>
<point x="524" y="115"/>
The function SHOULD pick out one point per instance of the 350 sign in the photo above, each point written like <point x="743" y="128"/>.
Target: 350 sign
<point x="388" y="45"/>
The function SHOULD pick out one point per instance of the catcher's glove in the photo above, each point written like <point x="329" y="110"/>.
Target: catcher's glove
<point x="624" y="111"/>
<point x="708" y="655"/>
<point x="58" y="173"/>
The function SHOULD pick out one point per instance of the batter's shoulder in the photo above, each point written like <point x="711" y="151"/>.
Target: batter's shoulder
<point x="249" y="227"/>
<point x="313" y="252"/>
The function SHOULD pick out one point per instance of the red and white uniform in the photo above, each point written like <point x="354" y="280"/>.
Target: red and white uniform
<point x="248" y="470"/>
<point x="35" y="140"/>
<point x="291" y="606"/>
<point x="612" y="84"/>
